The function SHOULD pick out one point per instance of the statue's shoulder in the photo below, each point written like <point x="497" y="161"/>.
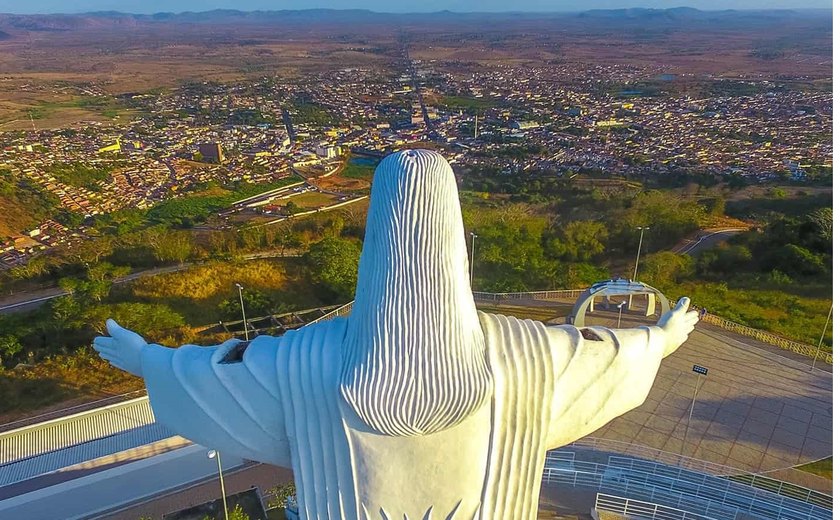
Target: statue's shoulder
<point x="499" y="327"/>
<point x="515" y="335"/>
<point x="493" y="322"/>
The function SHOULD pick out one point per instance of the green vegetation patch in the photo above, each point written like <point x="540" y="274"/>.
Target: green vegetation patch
<point x="195" y="208"/>
<point x="358" y="171"/>
<point x="23" y="203"/>
<point x="823" y="468"/>
<point x="467" y="103"/>
<point x="200" y="293"/>
<point x="307" y="112"/>
<point x="82" y="175"/>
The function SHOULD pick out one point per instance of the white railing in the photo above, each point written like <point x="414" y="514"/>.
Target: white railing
<point x="785" y="489"/>
<point x="729" y="492"/>
<point x="802" y="349"/>
<point x="648" y="453"/>
<point x="561" y="294"/>
<point x="741" y="475"/>
<point x="593" y="477"/>
<point x="642" y="510"/>
<point x="339" y="311"/>
<point x="706" y="495"/>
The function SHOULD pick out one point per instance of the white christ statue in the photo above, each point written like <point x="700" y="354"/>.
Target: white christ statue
<point x="415" y="406"/>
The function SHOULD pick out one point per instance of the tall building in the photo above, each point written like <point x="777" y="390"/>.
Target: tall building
<point x="212" y="152"/>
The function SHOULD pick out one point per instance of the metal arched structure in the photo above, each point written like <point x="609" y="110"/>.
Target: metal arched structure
<point x="619" y="287"/>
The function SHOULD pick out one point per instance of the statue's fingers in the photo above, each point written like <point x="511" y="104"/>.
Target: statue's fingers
<point x="120" y="333"/>
<point x="683" y="304"/>
<point x="101" y="343"/>
<point x="110" y="358"/>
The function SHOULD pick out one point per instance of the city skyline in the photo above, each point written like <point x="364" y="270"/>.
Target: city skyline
<point x="496" y="6"/>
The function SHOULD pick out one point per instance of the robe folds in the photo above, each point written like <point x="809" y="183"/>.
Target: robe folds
<point x="281" y="404"/>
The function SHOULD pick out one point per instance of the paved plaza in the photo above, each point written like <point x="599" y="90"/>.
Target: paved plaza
<point x="756" y="409"/>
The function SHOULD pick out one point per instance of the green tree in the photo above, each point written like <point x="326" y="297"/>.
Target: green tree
<point x="578" y="241"/>
<point x="665" y="268"/>
<point x="256" y="304"/>
<point x="797" y="260"/>
<point x="823" y="219"/>
<point x="333" y="266"/>
<point x="9" y="346"/>
<point x="34" y="267"/>
<point x="169" y="245"/>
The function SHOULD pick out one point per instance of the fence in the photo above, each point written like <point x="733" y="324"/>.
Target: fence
<point x="743" y="476"/>
<point x="592" y="476"/>
<point x="687" y="490"/>
<point x="642" y="510"/>
<point x="645" y="452"/>
<point x="722" y="491"/>
<point x="785" y="489"/>
<point x="562" y="294"/>
<point x="771" y="339"/>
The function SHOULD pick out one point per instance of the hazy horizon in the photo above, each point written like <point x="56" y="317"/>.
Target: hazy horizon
<point x="468" y="6"/>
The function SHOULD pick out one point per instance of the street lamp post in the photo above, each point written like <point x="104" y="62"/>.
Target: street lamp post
<point x="472" y="258"/>
<point x="213" y="454"/>
<point x="638" y="254"/>
<point x="822" y="337"/>
<point x="242" y="304"/>
<point x="701" y="372"/>
<point x="620" y="306"/>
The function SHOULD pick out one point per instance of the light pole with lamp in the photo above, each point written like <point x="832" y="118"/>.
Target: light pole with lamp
<point x="472" y="258"/>
<point x="638" y="254"/>
<point x="620" y="306"/>
<point x="242" y="304"/>
<point x="822" y="337"/>
<point x="213" y="454"/>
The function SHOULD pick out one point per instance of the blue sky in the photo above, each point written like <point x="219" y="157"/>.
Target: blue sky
<point x="153" y="6"/>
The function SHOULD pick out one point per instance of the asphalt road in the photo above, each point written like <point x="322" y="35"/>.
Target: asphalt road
<point x="706" y="240"/>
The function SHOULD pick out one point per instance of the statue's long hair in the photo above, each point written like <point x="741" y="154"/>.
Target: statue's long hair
<point x="413" y="357"/>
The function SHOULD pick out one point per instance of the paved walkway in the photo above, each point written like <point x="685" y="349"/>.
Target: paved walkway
<point x="756" y="409"/>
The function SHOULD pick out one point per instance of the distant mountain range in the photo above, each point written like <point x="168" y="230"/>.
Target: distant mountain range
<point x="113" y="19"/>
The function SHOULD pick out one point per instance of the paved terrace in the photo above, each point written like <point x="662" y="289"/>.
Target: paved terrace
<point x="756" y="409"/>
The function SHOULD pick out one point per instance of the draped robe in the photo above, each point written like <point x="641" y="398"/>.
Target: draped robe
<point x="416" y="405"/>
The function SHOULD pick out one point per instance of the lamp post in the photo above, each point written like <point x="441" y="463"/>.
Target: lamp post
<point x="242" y="304"/>
<point x="472" y="258"/>
<point x="822" y="337"/>
<point x="620" y="306"/>
<point x="639" y="252"/>
<point x="701" y="372"/>
<point x="213" y="454"/>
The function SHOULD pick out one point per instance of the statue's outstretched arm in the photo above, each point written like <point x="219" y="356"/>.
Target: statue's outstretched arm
<point x="225" y="397"/>
<point x="601" y="373"/>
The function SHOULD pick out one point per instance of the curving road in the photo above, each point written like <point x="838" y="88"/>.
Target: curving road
<point x="706" y="239"/>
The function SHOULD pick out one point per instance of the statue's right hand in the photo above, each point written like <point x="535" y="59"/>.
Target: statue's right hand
<point x="122" y="349"/>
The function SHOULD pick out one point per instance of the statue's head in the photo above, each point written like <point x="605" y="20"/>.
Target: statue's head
<point x="413" y="358"/>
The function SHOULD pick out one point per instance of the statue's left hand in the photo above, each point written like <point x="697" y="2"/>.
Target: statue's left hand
<point x="122" y="349"/>
<point x="678" y="324"/>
